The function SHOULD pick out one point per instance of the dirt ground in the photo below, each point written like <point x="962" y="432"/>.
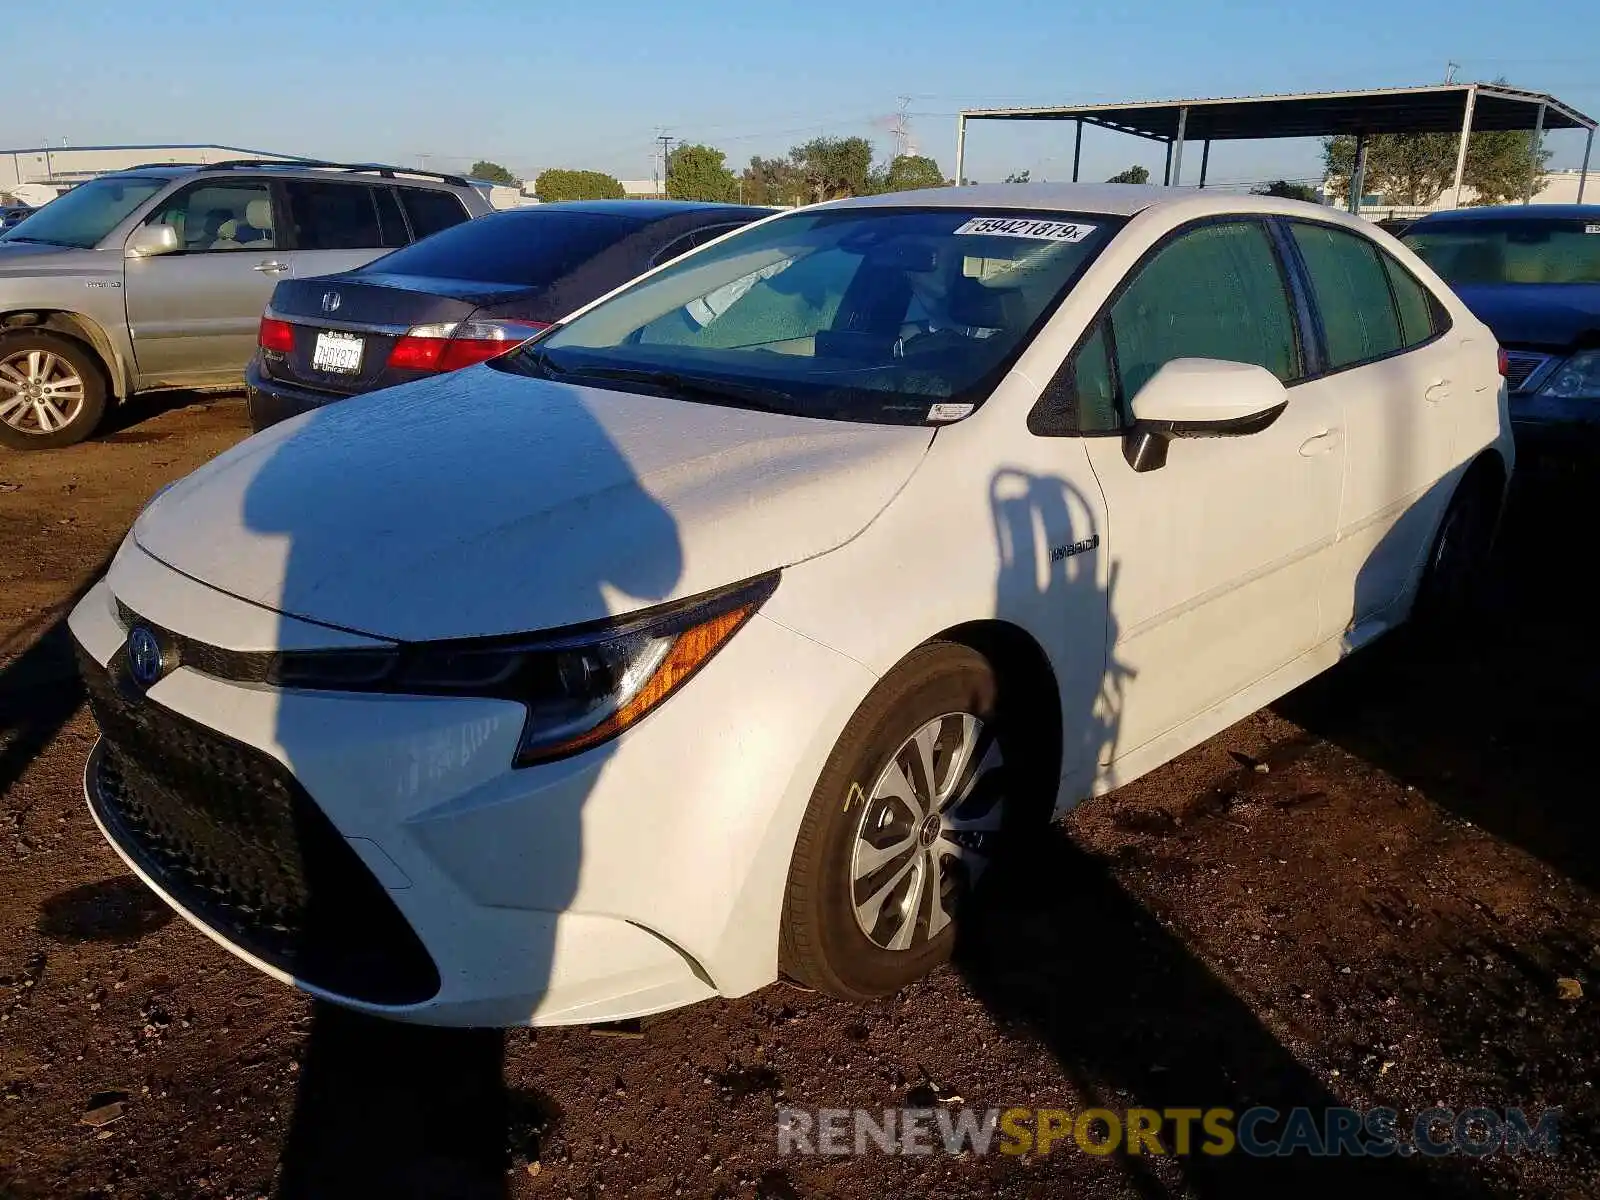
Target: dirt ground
<point x="1398" y="910"/>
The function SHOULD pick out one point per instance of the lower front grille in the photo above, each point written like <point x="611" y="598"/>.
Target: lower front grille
<point x="232" y="837"/>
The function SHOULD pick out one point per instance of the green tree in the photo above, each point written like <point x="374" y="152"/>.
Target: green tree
<point x="699" y="173"/>
<point x="560" y="184"/>
<point x="773" y="181"/>
<point x="1024" y="176"/>
<point x="493" y="172"/>
<point x="834" y="167"/>
<point x="1287" y="190"/>
<point x="907" y="172"/>
<point x="1131" y="175"/>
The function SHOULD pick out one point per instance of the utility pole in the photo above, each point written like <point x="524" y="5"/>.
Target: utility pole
<point x="1450" y="71"/>
<point x="901" y="130"/>
<point x="662" y="155"/>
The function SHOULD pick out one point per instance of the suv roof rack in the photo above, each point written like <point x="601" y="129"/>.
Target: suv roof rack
<point x="301" y="164"/>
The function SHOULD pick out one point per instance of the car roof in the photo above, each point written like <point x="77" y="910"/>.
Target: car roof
<point x="1100" y="199"/>
<point x="1503" y="212"/>
<point x="645" y="210"/>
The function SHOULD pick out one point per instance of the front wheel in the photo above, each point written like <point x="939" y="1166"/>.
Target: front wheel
<point x="905" y="821"/>
<point x="52" y="392"/>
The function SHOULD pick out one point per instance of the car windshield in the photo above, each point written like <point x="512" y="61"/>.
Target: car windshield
<point x="888" y="315"/>
<point x="1513" y="251"/>
<point x="84" y="216"/>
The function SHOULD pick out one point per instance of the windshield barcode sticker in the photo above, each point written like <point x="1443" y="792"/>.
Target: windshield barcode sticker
<point x="1025" y="227"/>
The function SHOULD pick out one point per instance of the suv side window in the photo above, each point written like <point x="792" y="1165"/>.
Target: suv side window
<point x="221" y="215"/>
<point x="1351" y="290"/>
<point x="333" y="216"/>
<point x="431" y="210"/>
<point x="391" y="221"/>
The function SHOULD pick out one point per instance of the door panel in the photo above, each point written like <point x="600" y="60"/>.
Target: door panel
<point x="1219" y="554"/>
<point x="194" y="314"/>
<point x="1397" y="416"/>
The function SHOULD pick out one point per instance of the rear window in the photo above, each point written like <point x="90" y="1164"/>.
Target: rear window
<point x="431" y="211"/>
<point x="527" y="248"/>
<point x="333" y="216"/>
<point x="1484" y="251"/>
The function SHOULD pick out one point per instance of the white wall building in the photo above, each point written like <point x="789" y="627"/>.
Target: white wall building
<point x="1560" y="187"/>
<point x="63" y="166"/>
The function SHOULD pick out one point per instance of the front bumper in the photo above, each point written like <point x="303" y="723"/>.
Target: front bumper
<point x="642" y="876"/>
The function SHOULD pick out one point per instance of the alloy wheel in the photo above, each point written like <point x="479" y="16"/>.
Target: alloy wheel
<point x="927" y="831"/>
<point x="40" y="392"/>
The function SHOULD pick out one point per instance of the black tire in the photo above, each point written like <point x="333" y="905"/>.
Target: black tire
<point x="82" y="420"/>
<point x="822" y="943"/>
<point x="1455" y="580"/>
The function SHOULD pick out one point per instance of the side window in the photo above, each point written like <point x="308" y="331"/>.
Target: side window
<point x="391" y="223"/>
<point x="1416" y="304"/>
<point x="431" y="210"/>
<point x="211" y="216"/>
<point x="1214" y="292"/>
<point x="1351" y="289"/>
<point x="333" y="216"/>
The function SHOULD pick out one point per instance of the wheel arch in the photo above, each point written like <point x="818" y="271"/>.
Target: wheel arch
<point x="1027" y="682"/>
<point x="85" y="330"/>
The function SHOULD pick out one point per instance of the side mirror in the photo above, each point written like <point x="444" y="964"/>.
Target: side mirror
<point x="148" y="241"/>
<point x="1200" y="397"/>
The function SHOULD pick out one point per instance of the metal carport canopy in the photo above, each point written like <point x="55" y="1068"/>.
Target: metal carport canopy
<point x="1436" y="108"/>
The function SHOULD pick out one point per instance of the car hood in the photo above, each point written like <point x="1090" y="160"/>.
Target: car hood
<point x="33" y="259"/>
<point x="485" y="502"/>
<point x="1554" y="316"/>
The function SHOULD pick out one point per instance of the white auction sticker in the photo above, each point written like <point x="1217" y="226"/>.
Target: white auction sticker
<point x="1591" y="228"/>
<point x="949" y="412"/>
<point x="1027" y="227"/>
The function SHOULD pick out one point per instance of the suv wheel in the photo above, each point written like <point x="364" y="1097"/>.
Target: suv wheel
<point x="52" y="391"/>
<point x="906" y="818"/>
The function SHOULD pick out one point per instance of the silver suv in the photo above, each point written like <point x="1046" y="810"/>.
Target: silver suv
<point x="156" y="277"/>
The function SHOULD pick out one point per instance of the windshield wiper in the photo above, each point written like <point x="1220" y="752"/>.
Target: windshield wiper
<point x="36" y="241"/>
<point x="717" y="391"/>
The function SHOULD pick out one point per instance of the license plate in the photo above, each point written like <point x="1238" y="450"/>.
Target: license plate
<point x="338" y="352"/>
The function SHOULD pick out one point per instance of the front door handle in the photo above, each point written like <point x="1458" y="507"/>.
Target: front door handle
<point x="270" y="268"/>
<point x="1438" y="390"/>
<point x="1321" y="442"/>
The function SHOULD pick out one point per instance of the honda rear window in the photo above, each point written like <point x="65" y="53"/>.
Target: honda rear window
<point x="531" y="249"/>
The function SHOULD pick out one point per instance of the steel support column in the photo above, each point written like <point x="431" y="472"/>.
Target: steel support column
<point x="1466" y="136"/>
<point x="1077" y="150"/>
<point x="1177" y="148"/>
<point x="1205" y="160"/>
<point x="961" y="149"/>
<point x="1166" y="174"/>
<point x="1583" y="175"/>
<point x="1358" y="177"/>
<point x="1533" y="157"/>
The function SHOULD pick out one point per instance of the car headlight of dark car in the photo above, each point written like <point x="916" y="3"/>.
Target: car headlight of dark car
<point x="581" y="686"/>
<point x="1576" y="379"/>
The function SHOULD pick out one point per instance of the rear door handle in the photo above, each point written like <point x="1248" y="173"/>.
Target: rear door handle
<point x="1319" y="443"/>
<point x="270" y="268"/>
<point x="1438" y="390"/>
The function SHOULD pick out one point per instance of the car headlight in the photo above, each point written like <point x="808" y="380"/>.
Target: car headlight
<point x="1576" y="379"/>
<point x="581" y="686"/>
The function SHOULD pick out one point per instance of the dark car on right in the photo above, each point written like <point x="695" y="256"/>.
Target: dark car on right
<point x="1532" y="274"/>
<point x="462" y="296"/>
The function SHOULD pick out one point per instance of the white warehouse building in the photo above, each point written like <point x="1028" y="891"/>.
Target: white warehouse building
<point x="63" y="166"/>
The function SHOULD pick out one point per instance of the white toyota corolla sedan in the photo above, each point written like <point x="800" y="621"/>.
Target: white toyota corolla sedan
<point x="735" y="625"/>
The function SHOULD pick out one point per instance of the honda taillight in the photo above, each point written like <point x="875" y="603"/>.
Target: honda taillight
<point x="276" y="335"/>
<point x="451" y="346"/>
<point x="1505" y="362"/>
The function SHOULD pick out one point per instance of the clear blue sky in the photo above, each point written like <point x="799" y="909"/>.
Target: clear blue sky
<point x="533" y="85"/>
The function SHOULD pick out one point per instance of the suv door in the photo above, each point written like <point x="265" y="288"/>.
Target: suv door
<point x="194" y="314"/>
<point x="1393" y="374"/>
<point x="1217" y="554"/>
